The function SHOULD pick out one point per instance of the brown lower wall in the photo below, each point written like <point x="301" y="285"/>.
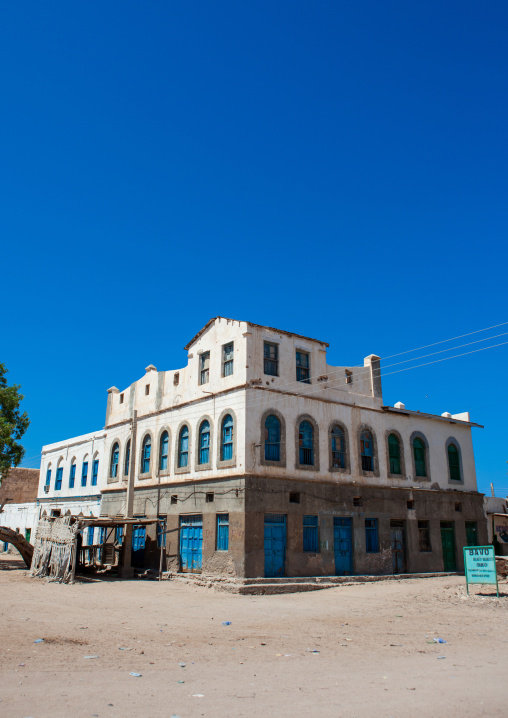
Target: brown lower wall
<point x="248" y="499"/>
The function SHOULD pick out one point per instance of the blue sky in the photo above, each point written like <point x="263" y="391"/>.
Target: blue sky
<point x="333" y="169"/>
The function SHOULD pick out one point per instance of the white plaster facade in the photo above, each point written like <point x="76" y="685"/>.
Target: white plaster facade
<point x="167" y="400"/>
<point x="21" y="518"/>
<point x="77" y="452"/>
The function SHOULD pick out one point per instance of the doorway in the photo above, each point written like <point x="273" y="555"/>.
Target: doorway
<point x="342" y="546"/>
<point x="275" y="545"/>
<point x="398" y="546"/>
<point x="448" y="543"/>
<point x="191" y="543"/>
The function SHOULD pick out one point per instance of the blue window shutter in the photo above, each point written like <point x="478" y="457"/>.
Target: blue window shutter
<point x="310" y="534"/>
<point x="204" y="442"/>
<point x="183" y="456"/>
<point x="95" y="472"/>
<point x="227" y="438"/>
<point x="58" y="481"/>
<point x="371" y="536"/>
<point x="222" y="532"/>
<point x="48" y="477"/>
<point x="272" y="438"/>
<point x="72" y="476"/>
<point x="84" y="473"/>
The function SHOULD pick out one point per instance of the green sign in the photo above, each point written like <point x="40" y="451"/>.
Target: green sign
<point x="480" y="565"/>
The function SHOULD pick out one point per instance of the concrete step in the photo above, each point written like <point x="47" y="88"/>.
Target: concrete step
<point x="290" y="584"/>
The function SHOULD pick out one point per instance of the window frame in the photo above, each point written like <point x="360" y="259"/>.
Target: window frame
<point x="402" y="459"/>
<point x="310" y="533"/>
<point x="221" y="462"/>
<point x="204" y="371"/>
<point x="302" y="371"/>
<point x="95" y="472"/>
<point x="113" y="469"/>
<point x="428" y="541"/>
<point x="331" y="436"/>
<point x="59" y="477"/>
<point x="202" y="465"/>
<point x="423" y="439"/>
<point x="315" y="443"/>
<point x="84" y="472"/>
<point x="228" y="363"/>
<point x="72" y="473"/>
<point x="164" y="433"/>
<point x="375" y="454"/>
<point x="372" y="536"/>
<point x="282" y="445"/>
<point x="273" y="366"/>
<point x="180" y="452"/>
<point x="454" y="482"/>
<point x="222" y="532"/>
<point x="145" y="462"/>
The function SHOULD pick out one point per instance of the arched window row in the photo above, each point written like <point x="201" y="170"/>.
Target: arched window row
<point x="225" y="454"/>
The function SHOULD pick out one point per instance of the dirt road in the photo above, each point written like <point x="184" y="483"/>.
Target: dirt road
<point x="350" y="651"/>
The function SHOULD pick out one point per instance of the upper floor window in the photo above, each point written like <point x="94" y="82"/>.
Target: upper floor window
<point x="58" y="481"/>
<point x="183" y="447"/>
<point x="164" y="451"/>
<point x="302" y="367"/>
<point x="367" y="451"/>
<point x="338" y="447"/>
<point x="227" y="438"/>
<point x="454" y="462"/>
<point x="72" y="475"/>
<point x="204" y="367"/>
<point x="204" y="442"/>
<point x="394" y="454"/>
<point x="271" y="357"/>
<point x="48" y="477"/>
<point x="305" y="442"/>
<point x="145" y="455"/>
<point x="115" y="455"/>
<point x="127" y="459"/>
<point x="84" y="473"/>
<point x="95" y="472"/>
<point x="227" y="359"/>
<point x="272" y="438"/>
<point x="419" y="455"/>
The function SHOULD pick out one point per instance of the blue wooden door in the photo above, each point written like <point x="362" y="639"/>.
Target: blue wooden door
<point x="342" y="546"/>
<point x="191" y="543"/>
<point x="275" y="544"/>
<point x="138" y="546"/>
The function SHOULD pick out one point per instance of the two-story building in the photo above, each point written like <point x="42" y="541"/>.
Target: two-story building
<point x="71" y="477"/>
<point x="263" y="460"/>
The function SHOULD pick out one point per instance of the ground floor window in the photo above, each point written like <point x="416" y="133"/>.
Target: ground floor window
<point x="371" y="536"/>
<point x="310" y="534"/>
<point x="424" y="536"/>
<point x="222" y="532"/>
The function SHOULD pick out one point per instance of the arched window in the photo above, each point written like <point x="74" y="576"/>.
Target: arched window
<point x="72" y="474"/>
<point x="338" y="447"/>
<point x="367" y="451"/>
<point x="419" y="454"/>
<point x="305" y="441"/>
<point x="183" y="447"/>
<point x="127" y="459"/>
<point x="394" y="453"/>
<point x="454" y="462"/>
<point x="204" y="442"/>
<point x="272" y="438"/>
<point x="59" y="476"/>
<point x="164" y="451"/>
<point x="145" y="456"/>
<point x="115" y="455"/>
<point x="227" y="438"/>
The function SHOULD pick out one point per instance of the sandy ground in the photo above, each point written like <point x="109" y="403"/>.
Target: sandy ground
<point x="373" y="654"/>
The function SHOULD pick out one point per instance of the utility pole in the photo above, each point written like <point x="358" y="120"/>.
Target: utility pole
<point x="126" y="568"/>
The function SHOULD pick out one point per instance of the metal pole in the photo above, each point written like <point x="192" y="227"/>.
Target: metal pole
<point x="126" y="569"/>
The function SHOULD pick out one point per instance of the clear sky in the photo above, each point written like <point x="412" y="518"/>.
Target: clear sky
<point x="334" y="169"/>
